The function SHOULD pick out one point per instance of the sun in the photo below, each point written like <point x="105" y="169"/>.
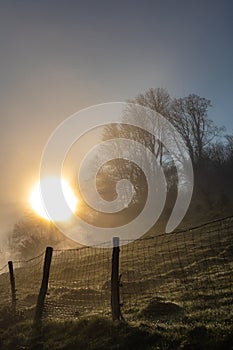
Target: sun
<point x="61" y="211"/>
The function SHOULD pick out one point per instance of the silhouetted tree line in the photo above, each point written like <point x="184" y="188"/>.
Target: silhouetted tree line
<point x="209" y="147"/>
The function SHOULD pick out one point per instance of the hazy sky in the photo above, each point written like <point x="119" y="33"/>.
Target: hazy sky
<point x="57" y="57"/>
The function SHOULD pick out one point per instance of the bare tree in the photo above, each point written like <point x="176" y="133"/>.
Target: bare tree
<point x="158" y="100"/>
<point x="229" y="147"/>
<point x="190" y="116"/>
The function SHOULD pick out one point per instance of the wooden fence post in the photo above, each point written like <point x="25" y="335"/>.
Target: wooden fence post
<point x="13" y="290"/>
<point x="115" y="291"/>
<point x="44" y="285"/>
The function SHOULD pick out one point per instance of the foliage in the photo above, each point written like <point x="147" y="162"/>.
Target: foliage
<point x="31" y="235"/>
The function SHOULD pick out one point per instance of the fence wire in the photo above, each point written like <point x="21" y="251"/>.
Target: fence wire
<point x="79" y="283"/>
<point x="27" y="275"/>
<point x="183" y="275"/>
<point x="186" y="274"/>
<point x="5" y="289"/>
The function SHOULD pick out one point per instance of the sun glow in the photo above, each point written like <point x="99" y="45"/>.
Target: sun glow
<point x="61" y="211"/>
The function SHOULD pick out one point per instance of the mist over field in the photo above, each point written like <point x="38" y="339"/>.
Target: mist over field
<point x="160" y="73"/>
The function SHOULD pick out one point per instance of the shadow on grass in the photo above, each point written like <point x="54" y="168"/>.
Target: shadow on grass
<point x="102" y="334"/>
<point x="91" y="334"/>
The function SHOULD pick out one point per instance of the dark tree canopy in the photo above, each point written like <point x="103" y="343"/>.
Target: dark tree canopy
<point x="210" y="151"/>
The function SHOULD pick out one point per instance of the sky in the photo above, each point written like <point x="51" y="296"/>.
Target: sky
<point x="57" y="57"/>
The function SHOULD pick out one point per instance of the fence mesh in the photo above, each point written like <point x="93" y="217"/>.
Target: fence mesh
<point x="185" y="275"/>
<point x="79" y="283"/>
<point x="5" y="289"/>
<point x="28" y="275"/>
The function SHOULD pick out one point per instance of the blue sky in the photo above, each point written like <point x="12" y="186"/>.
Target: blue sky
<point x="60" y="56"/>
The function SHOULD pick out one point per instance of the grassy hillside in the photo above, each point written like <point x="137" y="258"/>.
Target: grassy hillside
<point x="176" y="293"/>
<point x="102" y="334"/>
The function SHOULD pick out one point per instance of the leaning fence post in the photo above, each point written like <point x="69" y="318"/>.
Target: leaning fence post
<point x="13" y="290"/>
<point x="44" y="284"/>
<point x="115" y="291"/>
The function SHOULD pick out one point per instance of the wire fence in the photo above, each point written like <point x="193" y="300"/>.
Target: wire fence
<point x="77" y="283"/>
<point x="27" y="276"/>
<point x="185" y="275"/>
<point x="5" y="289"/>
<point x="190" y="269"/>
